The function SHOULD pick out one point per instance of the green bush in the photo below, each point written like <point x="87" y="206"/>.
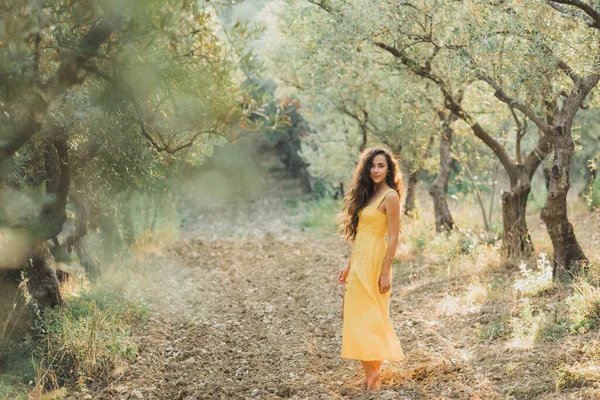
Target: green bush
<point x="468" y="241"/>
<point x="555" y="325"/>
<point x="87" y="338"/>
<point x="319" y="215"/>
<point x="16" y="371"/>
<point x="420" y="241"/>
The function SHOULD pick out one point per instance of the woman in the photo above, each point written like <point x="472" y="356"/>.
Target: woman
<point x="371" y="209"/>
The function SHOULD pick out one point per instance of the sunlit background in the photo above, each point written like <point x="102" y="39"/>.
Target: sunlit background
<point x="171" y="172"/>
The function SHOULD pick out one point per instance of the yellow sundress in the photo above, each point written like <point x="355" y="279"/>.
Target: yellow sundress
<point x="368" y="334"/>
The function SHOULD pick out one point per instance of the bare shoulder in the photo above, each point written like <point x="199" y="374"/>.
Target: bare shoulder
<point x="392" y="195"/>
<point x="391" y="200"/>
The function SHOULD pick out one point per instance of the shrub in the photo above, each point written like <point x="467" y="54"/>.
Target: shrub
<point x="87" y="338"/>
<point x="554" y="326"/>
<point x="319" y="215"/>
<point x="533" y="282"/>
<point x="420" y="241"/>
<point x="468" y="241"/>
<point x="569" y="377"/>
<point x="584" y="306"/>
<point x="524" y="326"/>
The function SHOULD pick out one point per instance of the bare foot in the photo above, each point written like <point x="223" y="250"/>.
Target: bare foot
<point x="361" y="382"/>
<point x="374" y="381"/>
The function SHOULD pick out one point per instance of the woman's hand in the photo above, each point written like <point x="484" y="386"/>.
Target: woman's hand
<point x="384" y="283"/>
<point x="343" y="275"/>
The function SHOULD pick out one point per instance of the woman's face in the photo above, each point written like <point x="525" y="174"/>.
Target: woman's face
<point x="379" y="168"/>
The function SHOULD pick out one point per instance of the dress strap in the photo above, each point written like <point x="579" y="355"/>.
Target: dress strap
<point x="382" y="197"/>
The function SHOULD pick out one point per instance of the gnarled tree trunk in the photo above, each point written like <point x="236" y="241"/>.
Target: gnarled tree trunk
<point x="516" y="241"/>
<point x="78" y="240"/>
<point x="42" y="283"/>
<point x="567" y="251"/>
<point x="439" y="186"/>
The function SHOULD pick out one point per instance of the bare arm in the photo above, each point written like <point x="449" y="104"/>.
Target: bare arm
<point x="392" y="207"/>
<point x="343" y="274"/>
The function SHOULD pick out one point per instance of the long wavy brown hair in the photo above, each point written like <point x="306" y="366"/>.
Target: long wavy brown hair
<point x="363" y="187"/>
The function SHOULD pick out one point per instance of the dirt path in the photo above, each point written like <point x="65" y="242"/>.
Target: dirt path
<point x="260" y="319"/>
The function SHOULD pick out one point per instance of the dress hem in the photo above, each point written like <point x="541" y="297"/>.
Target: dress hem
<point x="376" y="359"/>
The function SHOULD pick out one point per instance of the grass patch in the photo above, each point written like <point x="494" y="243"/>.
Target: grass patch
<point x="497" y="328"/>
<point x="524" y="325"/>
<point x="528" y="392"/>
<point x="584" y="306"/>
<point x="584" y="372"/>
<point x="85" y="340"/>
<point x="574" y="377"/>
<point x="319" y="216"/>
<point x="554" y="326"/>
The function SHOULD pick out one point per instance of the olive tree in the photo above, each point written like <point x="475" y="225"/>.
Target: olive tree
<point x="98" y="98"/>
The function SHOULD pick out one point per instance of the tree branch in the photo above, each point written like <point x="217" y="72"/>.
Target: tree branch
<point x="521" y="131"/>
<point x="572" y="14"/>
<point x="322" y="4"/>
<point x="124" y="88"/>
<point x="503" y="97"/>
<point x="569" y="71"/>
<point x="588" y="9"/>
<point x="453" y="105"/>
<point x="539" y="152"/>
<point x="65" y="77"/>
<point x="575" y="99"/>
<point x="81" y="222"/>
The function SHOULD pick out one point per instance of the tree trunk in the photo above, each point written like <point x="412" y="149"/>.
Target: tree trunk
<point x="413" y="179"/>
<point x="547" y="175"/>
<point x="567" y="251"/>
<point x="42" y="283"/>
<point x="516" y="241"/>
<point x="439" y="187"/>
<point x="53" y="215"/>
<point x="342" y="192"/>
<point x="78" y="240"/>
